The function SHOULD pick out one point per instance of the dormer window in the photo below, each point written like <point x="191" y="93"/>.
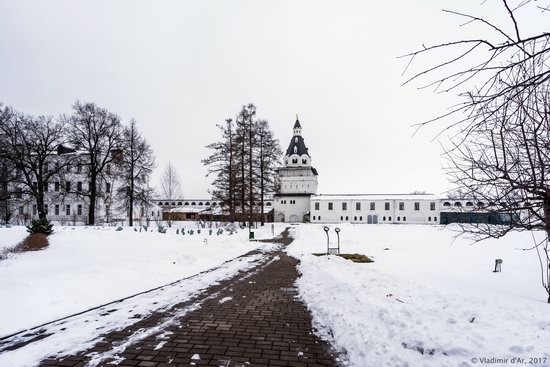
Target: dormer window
<point x="296" y="139"/>
<point x="295" y="161"/>
<point x="304" y="161"/>
<point x="295" y="149"/>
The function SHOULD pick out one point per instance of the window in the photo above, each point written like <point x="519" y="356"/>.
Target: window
<point x="398" y="219"/>
<point x="79" y="209"/>
<point x="344" y="206"/>
<point x="56" y="186"/>
<point x="469" y="203"/>
<point x="295" y="149"/>
<point x="432" y="206"/>
<point x="355" y="218"/>
<point x="46" y="208"/>
<point x="386" y="206"/>
<point x="79" y="168"/>
<point x="20" y="210"/>
<point x="429" y="219"/>
<point x="446" y="203"/>
<point x="68" y="186"/>
<point x="458" y="203"/>
<point x="341" y="218"/>
<point x="304" y="161"/>
<point x="360" y="218"/>
<point x="295" y="161"/>
<point x="357" y="206"/>
<point x="389" y="218"/>
<point x="401" y="206"/>
<point x="45" y="187"/>
<point x="416" y="206"/>
<point x="316" y="206"/>
<point x="108" y="169"/>
<point x="200" y="203"/>
<point x="108" y="188"/>
<point x="329" y="206"/>
<point x="372" y="206"/>
<point x="186" y="203"/>
<point x="313" y="217"/>
<point x="79" y="186"/>
<point x="56" y="210"/>
<point x="319" y="217"/>
<point x="384" y="219"/>
<point x="404" y="219"/>
<point x="67" y="209"/>
<point x="179" y="203"/>
<point x="435" y="219"/>
<point x="346" y="218"/>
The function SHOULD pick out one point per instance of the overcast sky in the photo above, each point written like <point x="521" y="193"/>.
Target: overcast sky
<point x="181" y="67"/>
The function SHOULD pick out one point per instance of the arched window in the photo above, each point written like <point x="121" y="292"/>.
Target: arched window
<point x="384" y="219"/>
<point x="214" y="204"/>
<point x="429" y="219"/>
<point x="167" y="203"/>
<point x="404" y="219"/>
<point x="193" y="203"/>
<point x="295" y="149"/>
<point x="480" y="204"/>
<point x="389" y="218"/>
<point x="179" y="203"/>
<point x="398" y="219"/>
<point x="296" y="139"/>
<point x="446" y="203"/>
<point x="268" y="204"/>
<point x="435" y="219"/>
<point x="458" y="204"/>
<point x="207" y="203"/>
<point x="200" y="202"/>
<point x="186" y="203"/>
<point x="469" y="203"/>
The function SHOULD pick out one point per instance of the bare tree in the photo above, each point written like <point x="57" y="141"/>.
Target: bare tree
<point x="136" y="166"/>
<point x="499" y="135"/>
<point x="269" y="154"/>
<point x="32" y="149"/>
<point x="170" y="189"/>
<point x="95" y="132"/>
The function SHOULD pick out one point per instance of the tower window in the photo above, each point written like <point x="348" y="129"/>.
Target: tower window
<point x="344" y="206"/>
<point x="316" y="206"/>
<point x="432" y="206"/>
<point x="295" y="149"/>
<point x="401" y="206"/>
<point x="294" y="161"/>
<point x="295" y="140"/>
<point x="329" y="206"/>
<point x="372" y="206"/>
<point x="357" y="206"/>
<point x="416" y="206"/>
<point x="387" y="206"/>
<point x="304" y="161"/>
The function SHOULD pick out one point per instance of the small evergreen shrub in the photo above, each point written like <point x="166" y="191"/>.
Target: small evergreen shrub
<point x="40" y="226"/>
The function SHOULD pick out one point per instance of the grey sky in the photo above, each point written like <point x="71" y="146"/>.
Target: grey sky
<point x="180" y="67"/>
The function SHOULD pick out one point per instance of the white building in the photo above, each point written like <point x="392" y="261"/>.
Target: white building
<point x="297" y="181"/>
<point x="375" y="208"/>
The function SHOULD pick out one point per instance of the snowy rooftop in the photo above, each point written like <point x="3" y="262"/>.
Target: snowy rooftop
<point x="375" y="197"/>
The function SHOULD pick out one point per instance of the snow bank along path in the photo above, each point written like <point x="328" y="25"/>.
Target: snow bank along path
<point x="86" y="267"/>
<point x="428" y="300"/>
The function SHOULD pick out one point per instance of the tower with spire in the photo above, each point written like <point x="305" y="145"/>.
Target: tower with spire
<point x="297" y="181"/>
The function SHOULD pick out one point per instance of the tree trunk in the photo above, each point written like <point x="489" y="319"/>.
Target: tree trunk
<point x="251" y="209"/>
<point x="93" y="198"/>
<point x="262" y="179"/>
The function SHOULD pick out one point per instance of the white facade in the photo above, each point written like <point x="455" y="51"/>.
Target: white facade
<point x="374" y="209"/>
<point x="297" y="182"/>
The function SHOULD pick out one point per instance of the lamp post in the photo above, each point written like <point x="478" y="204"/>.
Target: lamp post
<point x="328" y="242"/>
<point x="337" y="230"/>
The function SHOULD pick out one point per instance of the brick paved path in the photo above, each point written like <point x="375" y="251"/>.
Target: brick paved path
<point x="254" y="319"/>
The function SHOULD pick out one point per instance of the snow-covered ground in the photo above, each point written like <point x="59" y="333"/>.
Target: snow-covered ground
<point x="85" y="267"/>
<point x="428" y="299"/>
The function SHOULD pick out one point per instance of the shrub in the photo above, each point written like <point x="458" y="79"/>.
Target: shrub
<point x="34" y="242"/>
<point x="40" y="226"/>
